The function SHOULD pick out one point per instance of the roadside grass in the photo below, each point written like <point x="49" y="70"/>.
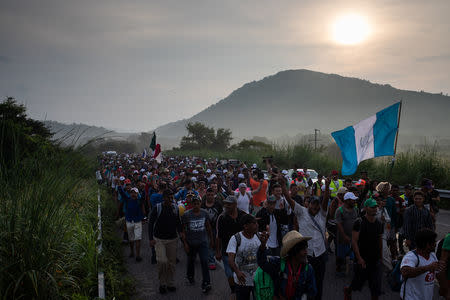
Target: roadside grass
<point x="48" y="230"/>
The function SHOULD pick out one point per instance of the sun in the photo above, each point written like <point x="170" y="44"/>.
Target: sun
<point x="350" y="29"/>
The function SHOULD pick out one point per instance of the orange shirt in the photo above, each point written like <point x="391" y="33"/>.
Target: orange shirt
<point x="260" y="196"/>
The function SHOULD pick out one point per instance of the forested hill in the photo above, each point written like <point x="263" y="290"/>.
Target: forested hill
<point x="77" y="134"/>
<point x="297" y="101"/>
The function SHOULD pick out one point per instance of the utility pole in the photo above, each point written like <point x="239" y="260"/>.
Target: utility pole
<point x="315" y="138"/>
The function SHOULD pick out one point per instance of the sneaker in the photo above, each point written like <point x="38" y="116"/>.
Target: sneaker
<point x="212" y="266"/>
<point x="171" y="288"/>
<point x="162" y="289"/>
<point x="347" y="293"/>
<point x="138" y="258"/>
<point x="206" y="287"/>
<point x="153" y="260"/>
<point x="191" y="281"/>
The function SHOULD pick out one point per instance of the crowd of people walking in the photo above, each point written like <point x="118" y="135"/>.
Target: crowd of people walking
<point x="274" y="229"/>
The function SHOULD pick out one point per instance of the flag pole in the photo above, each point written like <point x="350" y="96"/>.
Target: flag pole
<point x="396" y="138"/>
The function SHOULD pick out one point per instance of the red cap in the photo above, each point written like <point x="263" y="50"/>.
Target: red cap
<point x="334" y="172"/>
<point x="127" y="181"/>
<point x="361" y="182"/>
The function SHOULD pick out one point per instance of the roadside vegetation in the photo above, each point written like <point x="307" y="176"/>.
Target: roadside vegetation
<point x="48" y="217"/>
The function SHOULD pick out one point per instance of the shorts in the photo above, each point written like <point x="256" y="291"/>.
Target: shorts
<point x="372" y="273"/>
<point x="134" y="230"/>
<point x="226" y="266"/>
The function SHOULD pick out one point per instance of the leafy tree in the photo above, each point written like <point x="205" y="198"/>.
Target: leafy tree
<point x="201" y="136"/>
<point x="252" y="145"/>
<point x="20" y="135"/>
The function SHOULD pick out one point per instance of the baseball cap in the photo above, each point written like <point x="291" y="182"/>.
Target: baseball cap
<point x="408" y="187"/>
<point x="350" y="195"/>
<point x="240" y="175"/>
<point x="127" y="181"/>
<point x="254" y="166"/>
<point x="208" y="171"/>
<point x="121" y="178"/>
<point x="360" y="182"/>
<point x="342" y="190"/>
<point x="334" y="172"/>
<point x="284" y="172"/>
<point x="135" y="190"/>
<point x="191" y="193"/>
<point x="370" y="203"/>
<point x="230" y="199"/>
<point x="242" y="185"/>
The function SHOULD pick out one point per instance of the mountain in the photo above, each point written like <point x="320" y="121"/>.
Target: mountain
<point x="298" y="101"/>
<point x="78" y="134"/>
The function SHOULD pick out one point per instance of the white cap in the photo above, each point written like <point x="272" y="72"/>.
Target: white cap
<point x="208" y="171"/>
<point x="242" y="185"/>
<point x="121" y="178"/>
<point x="135" y="172"/>
<point x="194" y="179"/>
<point x="254" y="166"/>
<point x="225" y="171"/>
<point x="195" y="172"/>
<point x="240" y="175"/>
<point x="284" y="172"/>
<point x="142" y="170"/>
<point x="350" y="195"/>
<point x="135" y="190"/>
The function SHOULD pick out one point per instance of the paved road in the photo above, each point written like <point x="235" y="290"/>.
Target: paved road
<point x="147" y="278"/>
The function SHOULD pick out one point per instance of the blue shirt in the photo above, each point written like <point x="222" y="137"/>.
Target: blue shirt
<point x="155" y="199"/>
<point x="133" y="212"/>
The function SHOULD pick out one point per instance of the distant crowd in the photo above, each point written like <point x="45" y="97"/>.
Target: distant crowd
<point x="274" y="229"/>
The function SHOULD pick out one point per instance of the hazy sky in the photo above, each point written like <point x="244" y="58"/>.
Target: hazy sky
<point x="135" y="65"/>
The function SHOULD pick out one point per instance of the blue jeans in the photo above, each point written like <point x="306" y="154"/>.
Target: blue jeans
<point x="203" y="251"/>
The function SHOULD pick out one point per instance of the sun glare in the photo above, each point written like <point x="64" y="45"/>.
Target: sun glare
<point x="350" y="29"/>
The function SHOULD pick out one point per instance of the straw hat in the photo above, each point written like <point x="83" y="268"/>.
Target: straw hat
<point x="291" y="239"/>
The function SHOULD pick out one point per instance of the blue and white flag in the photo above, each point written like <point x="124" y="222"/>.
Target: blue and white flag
<point x="144" y="153"/>
<point x="372" y="137"/>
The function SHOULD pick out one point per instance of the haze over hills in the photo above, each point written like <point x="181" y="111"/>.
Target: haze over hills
<point x="297" y="101"/>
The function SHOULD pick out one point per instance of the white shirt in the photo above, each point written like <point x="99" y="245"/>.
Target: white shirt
<point x="245" y="258"/>
<point x="316" y="245"/>
<point x="243" y="201"/>
<point x="272" y="242"/>
<point x="422" y="286"/>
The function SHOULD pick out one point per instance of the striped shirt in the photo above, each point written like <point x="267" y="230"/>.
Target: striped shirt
<point x="416" y="219"/>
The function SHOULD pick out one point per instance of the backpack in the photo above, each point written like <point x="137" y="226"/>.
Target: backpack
<point x="264" y="286"/>
<point x="159" y="210"/>
<point x="395" y="277"/>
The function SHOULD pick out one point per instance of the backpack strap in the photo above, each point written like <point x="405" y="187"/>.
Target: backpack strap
<point x="237" y="236"/>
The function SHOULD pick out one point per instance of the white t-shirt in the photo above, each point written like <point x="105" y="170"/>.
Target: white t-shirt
<point x="243" y="201"/>
<point x="245" y="258"/>
<point x="422" y="286"/>
<point x="272" y="242"/>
